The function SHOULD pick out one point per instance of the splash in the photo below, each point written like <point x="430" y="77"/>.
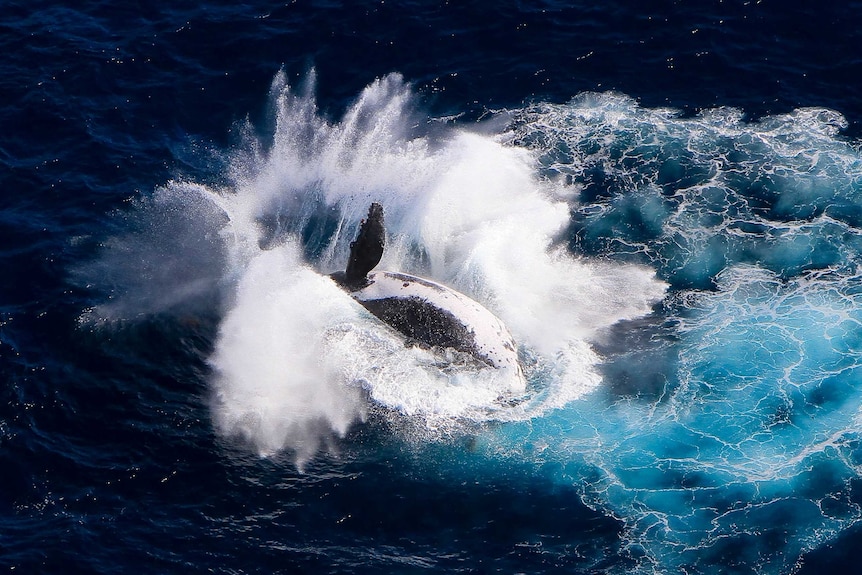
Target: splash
<point x="722" y="431"/>
<point x="278" y="381"/>
<point x="296" y="361"/>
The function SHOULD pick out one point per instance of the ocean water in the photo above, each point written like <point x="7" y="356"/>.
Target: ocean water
<point x="661" y="200"/>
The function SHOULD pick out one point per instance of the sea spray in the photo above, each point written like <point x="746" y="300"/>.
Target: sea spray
<point x="752" y="424"/>
<point x="278" y="382"/>
<point x="462" y="209"/>
<point x="296" y="360"/>
<point x="168" y="256"/>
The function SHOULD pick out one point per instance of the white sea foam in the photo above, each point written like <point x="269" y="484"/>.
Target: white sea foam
<point x="279" y="381"/>
<point x="749" y="446"/>
<point x="462" y="209"/>
<point x="296" y="359"/>
<point x="755" y="426"/>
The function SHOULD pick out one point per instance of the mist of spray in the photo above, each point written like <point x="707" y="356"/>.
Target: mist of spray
<point x="296" y="359"/>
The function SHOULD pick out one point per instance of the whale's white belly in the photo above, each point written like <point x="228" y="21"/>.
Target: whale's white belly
<point x="439" y="316"/>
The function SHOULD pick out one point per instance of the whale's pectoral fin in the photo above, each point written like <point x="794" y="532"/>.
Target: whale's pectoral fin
<point x="367" y="249"/>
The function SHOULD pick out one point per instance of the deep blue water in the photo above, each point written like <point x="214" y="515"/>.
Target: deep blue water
<point x="662" y="200"/>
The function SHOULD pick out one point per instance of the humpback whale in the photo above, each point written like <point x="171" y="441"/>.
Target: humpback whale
<point x="424" y="311"/>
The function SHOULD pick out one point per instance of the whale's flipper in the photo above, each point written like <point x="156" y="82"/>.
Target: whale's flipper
<point x="367" y="249"/>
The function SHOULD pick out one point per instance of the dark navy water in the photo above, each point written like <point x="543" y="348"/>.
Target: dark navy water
<point x="662" y="200"/>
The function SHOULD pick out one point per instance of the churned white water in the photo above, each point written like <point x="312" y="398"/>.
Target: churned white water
<point x="717" y="420"/>
<point x="461" y="209"/>
<point x="296" y="360"/>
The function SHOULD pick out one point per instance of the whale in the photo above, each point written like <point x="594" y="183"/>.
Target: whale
<point x="425" y="312"/>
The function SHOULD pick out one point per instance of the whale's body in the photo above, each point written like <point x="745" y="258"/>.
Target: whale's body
<point x="438" y="316"/>
<point x="424" y="311"/>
